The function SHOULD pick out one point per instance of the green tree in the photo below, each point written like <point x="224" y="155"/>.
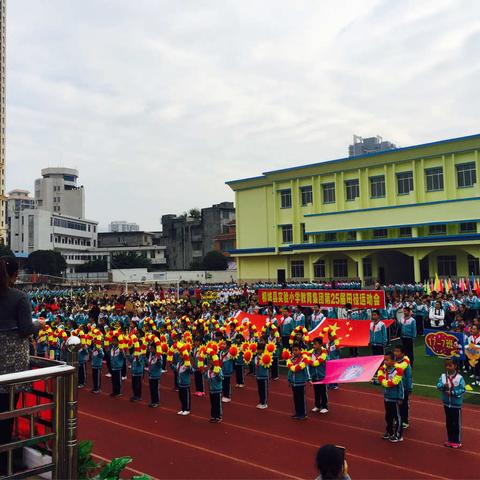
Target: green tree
<point x="93" y="266"/>
<point x="195" y="213"/>
<point x="47" y="262"/>
<point x="215" y="261"/>
<point x="130" y="260"/>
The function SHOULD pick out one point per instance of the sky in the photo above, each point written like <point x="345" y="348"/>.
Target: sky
<point x="158" y="103"/>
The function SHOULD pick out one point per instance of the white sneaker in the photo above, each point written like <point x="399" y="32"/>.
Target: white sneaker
<point x="260" y="406"/>
<point x="181" y="412"/>
<point x="263" y="407"/>
<point x="324" y="410"/>
<point x="226" y="399"/>
<point x="164" y="371"/>
<point x="315" y="409"/>
<point x="124" y="378"/>
<point x="109" y="375"/>
<point x="185" y="413"/>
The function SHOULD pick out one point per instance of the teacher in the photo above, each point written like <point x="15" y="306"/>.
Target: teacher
<point x="16" y="326"/>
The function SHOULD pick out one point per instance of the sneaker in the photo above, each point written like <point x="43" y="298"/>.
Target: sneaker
<point x="447" y="444"/>
<point x="324" y="410"/>
<point x="226" y="399"/>
<point x="386" y="436"/>
<point x="109" y="375"/>
<point x="275" y="379"/>
<point x="472" y="376"/>
<point x="81" y="385"/>
<point x="217" y="420"/>
<point x="260" y="405"/>
<point x="263" y="407"/>
<point x="124" y="378"/>
<point x="395" y="439"/>
<point x="134" y="399"/>
<point x="315" y="409"/>
<point x="405" y="425"/>
<point x="180" y="412"/>
<point x="96" y="392"/>
<point x="198" y="394"/>
<point x="114" y="395"/>
<point x="185" y="413"/>
<point x="164" y="371"/>
<point x="335" y="387"/>
<point x="153" y="405"/>
<point x="240" y="385"/>
<point x="212" y="420"/>
<point x="455" y="445"/>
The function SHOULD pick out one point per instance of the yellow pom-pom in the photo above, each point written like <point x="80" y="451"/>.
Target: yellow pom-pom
<point x="468" y="388"/>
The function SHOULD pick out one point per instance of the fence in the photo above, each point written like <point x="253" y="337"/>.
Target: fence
<point x="44" y="416"/>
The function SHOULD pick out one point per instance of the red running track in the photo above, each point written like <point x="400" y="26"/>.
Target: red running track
<point x="261" y="444"/>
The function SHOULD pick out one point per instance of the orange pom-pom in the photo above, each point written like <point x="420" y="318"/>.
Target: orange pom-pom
<point x="285" y="354"/>
<point x="271" y="347"/>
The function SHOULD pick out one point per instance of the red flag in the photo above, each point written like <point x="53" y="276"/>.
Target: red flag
<point x="351" y="333"/>
<point x="257" y="320"/>
<point x="350" y="370"/>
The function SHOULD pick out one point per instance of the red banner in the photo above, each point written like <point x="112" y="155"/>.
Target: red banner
<point x="359" y="299"/>
<point x="351" y="333"/>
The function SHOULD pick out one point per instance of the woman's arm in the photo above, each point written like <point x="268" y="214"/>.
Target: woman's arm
<point x="23" y="313"/>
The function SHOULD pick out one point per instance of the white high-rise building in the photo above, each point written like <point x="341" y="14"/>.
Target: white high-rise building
<point x="18" y="201"/>
<point x="57" y="192"/>
<point x="123" y="226"/>
<point x="3" y="66"/>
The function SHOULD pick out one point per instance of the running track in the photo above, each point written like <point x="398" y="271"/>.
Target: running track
<point x="261" y="444"/>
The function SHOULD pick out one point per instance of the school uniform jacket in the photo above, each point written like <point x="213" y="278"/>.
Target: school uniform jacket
<point x="378" y="334"/>
<point x="455" y="385"/>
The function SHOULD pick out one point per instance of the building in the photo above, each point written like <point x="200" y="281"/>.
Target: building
<point x="140" y="243"/>
<point x="18" y="200"/>
<point x="363" y="146"/>
<point x="188" y="239"/>
<point x="3" y="82"/>
<point x="399" y="215"/>
<point x="226" y="241"/>
<point x="123" y="226"/>
<point x="41" y="229"/>
<point x="57" y="191"/>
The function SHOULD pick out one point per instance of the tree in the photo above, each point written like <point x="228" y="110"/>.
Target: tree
<point x="47" y="262"/>
<point x="130" y="260"/>
<point x="215" y="261"/>
<point x="195" y="213"/>
<point x="93" y="266"/>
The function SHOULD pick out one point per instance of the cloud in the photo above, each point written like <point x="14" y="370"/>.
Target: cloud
<point x="158" y="103"/>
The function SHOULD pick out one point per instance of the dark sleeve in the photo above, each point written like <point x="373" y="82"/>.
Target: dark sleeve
<point x="24" y="317"/>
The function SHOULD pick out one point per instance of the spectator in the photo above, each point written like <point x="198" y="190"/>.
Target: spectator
<point x="331" y="463"/>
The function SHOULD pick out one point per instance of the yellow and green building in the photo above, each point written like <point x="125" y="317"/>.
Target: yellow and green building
<point x="392" y="216"/>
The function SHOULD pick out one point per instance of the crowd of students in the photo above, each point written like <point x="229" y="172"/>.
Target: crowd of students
<point x="205" y="343"/>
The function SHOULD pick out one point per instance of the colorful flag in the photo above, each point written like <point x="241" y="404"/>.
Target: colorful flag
<point x="350" y="370"/>
<point x="461" y="284"/>
<point x="436" y="285"/>
<point x="449" y="285"/>
<point x="257" y="320"/>
<point x="428" y="290"/>
<point x="351" y="333"/>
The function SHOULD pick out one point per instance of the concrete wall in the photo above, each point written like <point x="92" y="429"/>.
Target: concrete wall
<point x="142" y="275"/>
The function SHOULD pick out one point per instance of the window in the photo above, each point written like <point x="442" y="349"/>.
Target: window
<point x="287" y="234"/>
<point x="328" y="192"/>
<point x="466" y="175"/>
<point x="340" y="268"/>
<point x="405" y="183"/>
<point x="405" y="231"/>
<point x="447" y="265"/>
<point x="469" y="227"/>
<point x="286" y="198"/>
<point x="380" y="233"/>
<point x="434" y="178"/>
<point x="331" y="237"/>
<point x="319" y="269"/>
<point x="60" y="222"/>
<point x="377" y="186"/>
<point x="437" y="229"/>
<point x="473" y="265"/>
<point x="307" y="195"/>
<point x="352" y="189"/>
<point x="304" y="236"/>
<point x="367" y="267"/>
<point x="352" y="235"/>
<point x="297" y="269"/>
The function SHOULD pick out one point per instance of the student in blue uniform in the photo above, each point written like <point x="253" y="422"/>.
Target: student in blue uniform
<point x="407" y="380"/>
<point x="391" y="380"/>
<point x="82" y="366"/>
<point x="452" y="386"/>
<point x="378" y="334"/>
<point x="318" y="365"/>
<point x="117" y="359"/>
<point x="408" y="333"/>
<point x="97" y="361"/>
<point x="214" y="379"/>
<point x="239" y="363"/>
<point x="227" y="371"/>
<point x="197" y="373"/>
<point x="154" y="374"/>
<point x="138" y="366"/>
<point x="261" y="373"/>
<point x="297" y="381"/>
<point x="184" y="370"/>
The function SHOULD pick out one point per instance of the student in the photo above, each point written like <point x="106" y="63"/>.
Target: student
<point x="318" y="364"/>
<point x="452" y="386"/>
<point x="97" y="361"/>
<point x="317" y="317"/>
<point x="298" y="375"/>
<point x="183" y="371"/>
<point x="331" y="464"/>
<point x="82" y="366"/>
<point x="261" y="373"/>
<point x="215" y="377"/>
<point x="117" y="359"/>
<point x="390" y="378"/>
<point x="404" y="362"/>
<point x="275" y="339"/>
<point x="239" y="363"/>
<point x="420" y="312"/>
<point x="138" y="366"/>
<point x="287" y="328"/>
<point x="197" y="373"/>
<point x="227" y="371"/>
<point x="408" y="333"/>
<point x="436" y="314"/>
<point x="154" y="374"/>
<point x="378" y="334"/>
<point x="333" y="354"/>
<point x="474" y="338"/>
<point x="298" y="318"/>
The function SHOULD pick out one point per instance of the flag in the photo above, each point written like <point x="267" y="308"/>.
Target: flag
<point x="476" y="288"/>
<point x="461" y="284"/>
<point x="350" y="370"/>
<point x="258" y="320"/>
<point x="449" y="285"/>
<point x="445" y="285"/>
<point x="351" y="333"/>
<point x="436" y="285"/>
<point x="472" y="282"/>
<point x="428" y="291"/>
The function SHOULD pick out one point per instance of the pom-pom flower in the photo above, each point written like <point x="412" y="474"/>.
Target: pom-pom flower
<point x="247" y="356"/>
<point x="285" y="354"/>
<point x="266" y="360"/>
<point x="234" y="351"/>
<point x="271" y="347"/>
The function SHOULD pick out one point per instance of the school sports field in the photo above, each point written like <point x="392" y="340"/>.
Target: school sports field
<point x="252" y="443"/>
